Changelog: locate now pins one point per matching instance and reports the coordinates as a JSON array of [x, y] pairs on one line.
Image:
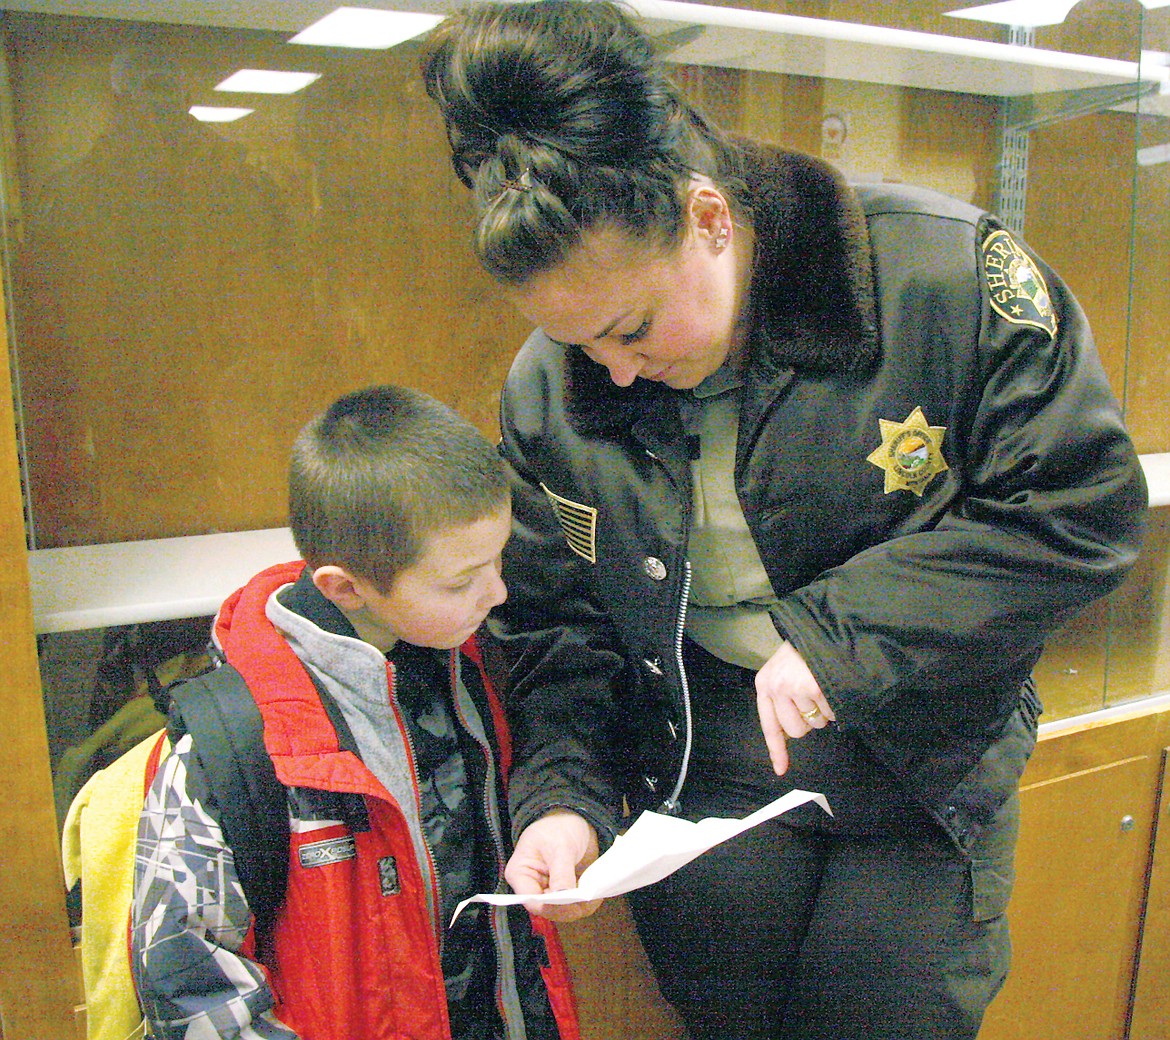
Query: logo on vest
[[388, 875], [1015, 287], [323, 853], [910, 453]]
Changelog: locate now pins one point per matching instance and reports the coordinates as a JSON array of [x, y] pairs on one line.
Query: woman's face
[[640, 312]]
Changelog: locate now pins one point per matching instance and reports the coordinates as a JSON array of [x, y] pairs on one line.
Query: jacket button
[[651, 782], [653, 665], [653, 566]]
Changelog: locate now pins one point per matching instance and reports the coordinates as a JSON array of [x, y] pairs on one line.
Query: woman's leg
[[790, 935], [792, 932], [909, 939], [723, 934]]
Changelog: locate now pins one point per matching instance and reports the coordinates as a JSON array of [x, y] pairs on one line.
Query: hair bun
[[562, 118], [577, 79]]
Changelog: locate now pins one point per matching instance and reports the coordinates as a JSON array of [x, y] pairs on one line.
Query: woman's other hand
[[790, 703]]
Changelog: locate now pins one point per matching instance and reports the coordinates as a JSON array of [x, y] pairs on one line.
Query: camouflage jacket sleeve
[[190, 919]]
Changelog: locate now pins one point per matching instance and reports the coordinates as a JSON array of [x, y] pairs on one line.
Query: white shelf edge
[[122, 583], [1131, 709], [95, 586], [766, 41], [735, 38]]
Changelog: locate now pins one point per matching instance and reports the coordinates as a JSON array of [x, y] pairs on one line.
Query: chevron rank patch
[[910, 453], [578, 522], [1015, 285]]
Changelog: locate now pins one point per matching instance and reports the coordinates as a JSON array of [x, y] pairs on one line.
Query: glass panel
[[102, 691], [1079, 216], [1140, 623], [184, 294], [1147, 385]]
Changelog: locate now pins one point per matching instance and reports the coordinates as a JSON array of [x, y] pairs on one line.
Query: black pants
[[805, 932]]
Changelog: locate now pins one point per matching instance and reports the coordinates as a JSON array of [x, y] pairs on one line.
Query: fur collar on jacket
[[812, 281], [812, 287]]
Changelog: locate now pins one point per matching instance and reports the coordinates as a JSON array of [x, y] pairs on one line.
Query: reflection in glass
[[185, 293]]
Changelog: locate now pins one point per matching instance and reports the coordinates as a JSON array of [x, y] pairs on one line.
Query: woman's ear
[[338, 586], [709, 216]]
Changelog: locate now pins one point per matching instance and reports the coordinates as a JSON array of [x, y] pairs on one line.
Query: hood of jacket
[[273, 672]]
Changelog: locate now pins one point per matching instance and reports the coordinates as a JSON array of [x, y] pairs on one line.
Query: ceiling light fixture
[[366, 29], [220, 114], [267, 81]]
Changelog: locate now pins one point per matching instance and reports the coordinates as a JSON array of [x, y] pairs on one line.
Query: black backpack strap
[[227, 732]]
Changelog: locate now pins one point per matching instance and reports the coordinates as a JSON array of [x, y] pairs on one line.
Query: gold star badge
[[910, 453]]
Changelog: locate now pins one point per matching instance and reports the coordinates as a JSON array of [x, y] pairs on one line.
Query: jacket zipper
[[492, 818], [436, 893], [671, 803]]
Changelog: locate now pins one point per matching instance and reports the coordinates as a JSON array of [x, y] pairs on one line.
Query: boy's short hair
[[378, 472]]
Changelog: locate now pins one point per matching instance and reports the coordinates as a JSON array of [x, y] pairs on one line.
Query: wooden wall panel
[[1138, 622], [1076, 909], [1081, 881], [37, 972], [1080, 219], [617, 996], [1147, 387], [1150, 1019], [1118, 650], [187, 296], [1149, 374]]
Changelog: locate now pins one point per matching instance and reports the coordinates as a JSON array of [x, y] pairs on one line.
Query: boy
[[400, 510]]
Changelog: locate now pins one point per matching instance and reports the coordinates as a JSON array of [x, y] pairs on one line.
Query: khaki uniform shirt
[[730, 593]]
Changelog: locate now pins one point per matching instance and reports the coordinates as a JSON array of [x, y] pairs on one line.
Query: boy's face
[[444, 596]]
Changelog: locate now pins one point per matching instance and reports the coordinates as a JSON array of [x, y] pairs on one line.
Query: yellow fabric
[[101, 828]]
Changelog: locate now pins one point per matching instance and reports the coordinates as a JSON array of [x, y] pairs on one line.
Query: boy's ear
[[338, 586]]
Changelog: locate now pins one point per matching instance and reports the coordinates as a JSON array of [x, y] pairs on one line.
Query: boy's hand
[[549, 856]]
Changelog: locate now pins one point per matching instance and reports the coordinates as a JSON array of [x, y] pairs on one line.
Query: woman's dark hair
[[380, 471], [562, 118]]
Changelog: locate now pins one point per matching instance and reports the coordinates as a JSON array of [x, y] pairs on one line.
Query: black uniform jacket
[[930, 461]]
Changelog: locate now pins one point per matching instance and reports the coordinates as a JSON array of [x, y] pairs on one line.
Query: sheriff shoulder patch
[[910, 453], [1014, 284]]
